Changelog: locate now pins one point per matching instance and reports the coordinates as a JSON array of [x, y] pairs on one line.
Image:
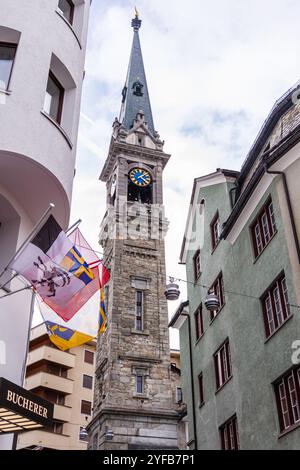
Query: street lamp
[[172, 291], [212, 301]]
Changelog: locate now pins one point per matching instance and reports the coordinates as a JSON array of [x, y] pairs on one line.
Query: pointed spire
[[135, 96]]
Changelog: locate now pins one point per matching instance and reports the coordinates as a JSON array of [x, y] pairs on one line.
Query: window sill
[[200, 337], [5, 92], [215, 247], [258, 256], [6, 289], [70, 27], [279, 328], [290, 429], [61, 130], [142, 396], [211, 321], [223, 385], [138, 332]]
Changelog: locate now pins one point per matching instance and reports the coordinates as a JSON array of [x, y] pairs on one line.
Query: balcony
[[52, 355], [48, 440], [62, 413], [54, 382]]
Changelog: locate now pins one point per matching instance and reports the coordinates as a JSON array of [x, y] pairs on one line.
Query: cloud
[[214, 71]]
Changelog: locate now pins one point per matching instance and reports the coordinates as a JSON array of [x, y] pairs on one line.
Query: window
[[230, 435], [199, 322], [88, 357], [66, 8], [139, 383], [58, 427], [139, 307], [56, 370], [7, 57], [263, 228], [197, 265], [218, 289], [201, 390], [179, 395], [215, 231], [86, 407], [54, 397], [83, 435], [287, 391], [223, 364], [54, 98], [275, 306], [87, 381]]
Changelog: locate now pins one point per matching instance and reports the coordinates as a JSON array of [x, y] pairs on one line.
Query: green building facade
[[241, 364]]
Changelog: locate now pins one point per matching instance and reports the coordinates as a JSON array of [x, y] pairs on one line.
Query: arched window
[[202, 207]]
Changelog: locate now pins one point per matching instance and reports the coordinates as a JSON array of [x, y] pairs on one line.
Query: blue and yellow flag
[[65, 338], [90, 321], [102, 316]]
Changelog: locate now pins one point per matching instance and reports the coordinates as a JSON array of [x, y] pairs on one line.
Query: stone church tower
[[135, 405]]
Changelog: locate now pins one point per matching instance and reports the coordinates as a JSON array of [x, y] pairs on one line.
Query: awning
[[21, 410]]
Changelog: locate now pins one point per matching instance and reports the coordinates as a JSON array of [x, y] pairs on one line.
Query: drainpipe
[[192, 379], [290, 209]]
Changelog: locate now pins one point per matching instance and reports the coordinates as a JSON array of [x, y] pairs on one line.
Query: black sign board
[[22, 409]]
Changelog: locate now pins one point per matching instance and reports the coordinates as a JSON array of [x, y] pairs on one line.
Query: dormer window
[[140, 140]]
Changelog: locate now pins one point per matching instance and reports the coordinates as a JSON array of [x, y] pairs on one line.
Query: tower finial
[[136, 22]]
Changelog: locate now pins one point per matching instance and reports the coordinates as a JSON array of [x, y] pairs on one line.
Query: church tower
[[135, 405]]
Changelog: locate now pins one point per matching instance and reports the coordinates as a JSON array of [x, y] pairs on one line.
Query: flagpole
[[74, 226], [29, 238], [16, 292]]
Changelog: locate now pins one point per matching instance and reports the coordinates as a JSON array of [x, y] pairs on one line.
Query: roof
[[135, 93], [221, 175], [174, 320], [270, 156]]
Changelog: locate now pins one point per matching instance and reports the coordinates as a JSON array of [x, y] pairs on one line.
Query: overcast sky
[[214, 70]]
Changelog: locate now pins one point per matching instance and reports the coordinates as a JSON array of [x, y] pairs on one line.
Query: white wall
[[37, 158]]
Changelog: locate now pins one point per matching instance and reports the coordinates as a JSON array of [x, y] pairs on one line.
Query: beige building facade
[[65, 378]]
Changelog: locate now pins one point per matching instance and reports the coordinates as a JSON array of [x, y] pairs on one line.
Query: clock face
[[140, 177]]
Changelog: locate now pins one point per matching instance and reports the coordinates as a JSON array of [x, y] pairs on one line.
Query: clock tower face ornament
[[140, 177]]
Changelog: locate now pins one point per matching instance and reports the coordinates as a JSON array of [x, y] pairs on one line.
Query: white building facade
[[42, 53]]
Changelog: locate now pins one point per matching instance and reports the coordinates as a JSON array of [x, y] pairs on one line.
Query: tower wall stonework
[[132, 232]]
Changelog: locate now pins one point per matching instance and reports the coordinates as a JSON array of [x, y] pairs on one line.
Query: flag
[[102, 316], [66, 338], [57, 270], [85, 249], [89, 255], [82, 328]]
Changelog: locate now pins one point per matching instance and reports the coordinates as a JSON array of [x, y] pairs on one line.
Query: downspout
[[192, 380], [289, 204]]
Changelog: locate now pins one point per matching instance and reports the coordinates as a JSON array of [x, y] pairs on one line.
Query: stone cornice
[[155, 413], [152, 360], [133, 151]]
